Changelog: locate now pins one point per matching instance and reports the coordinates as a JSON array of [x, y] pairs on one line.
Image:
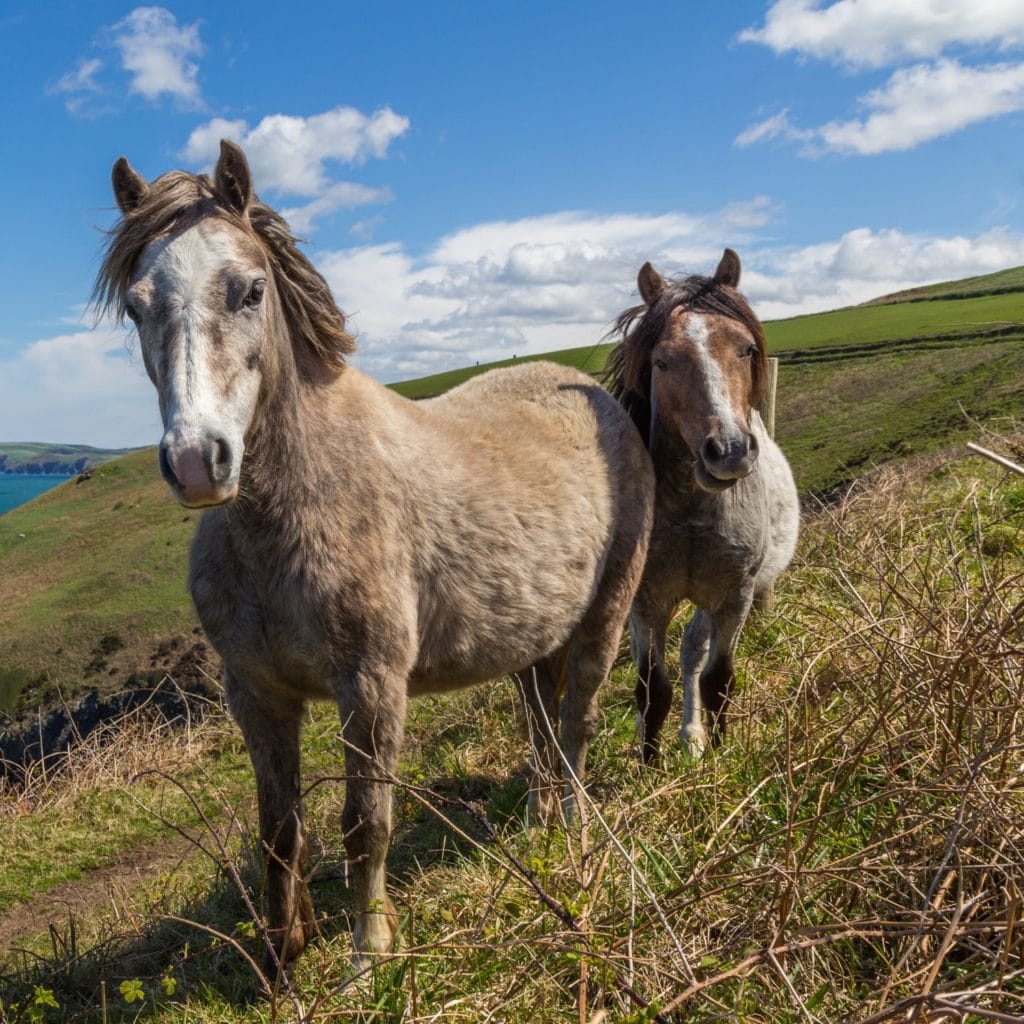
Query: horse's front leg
[[271, 729], [693, 656], [648, 624], [538, 687], [372, 707], [716, 680]]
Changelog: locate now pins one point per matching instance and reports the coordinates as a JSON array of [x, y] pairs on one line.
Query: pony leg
[[647, 627], [272, 740], [373, 723], [539, 688], [592, 651], [717, 678], [692, 658]]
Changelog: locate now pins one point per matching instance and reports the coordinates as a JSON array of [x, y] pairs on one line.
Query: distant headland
[[33, 458]]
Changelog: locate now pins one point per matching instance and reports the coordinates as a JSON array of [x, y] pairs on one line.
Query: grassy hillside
[[853, 852], [61, 459], [1010, 280], [93, 578]]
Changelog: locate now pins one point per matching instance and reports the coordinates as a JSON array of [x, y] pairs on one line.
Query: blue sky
[[482, 180]]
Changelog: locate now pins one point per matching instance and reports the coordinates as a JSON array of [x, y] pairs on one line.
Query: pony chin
[[706, 481], [206, 500]]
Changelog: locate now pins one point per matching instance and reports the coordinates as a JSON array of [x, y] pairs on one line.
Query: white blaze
[[698, 334], [181, 271]]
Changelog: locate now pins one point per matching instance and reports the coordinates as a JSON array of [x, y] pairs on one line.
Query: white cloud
[[84, 387], [344, 195], [517, 287], [79, 85], [157, 52], [916, 104], [779, 126], [864, 264], [288, 153], [873, 33], [82, 79], [926, 102]]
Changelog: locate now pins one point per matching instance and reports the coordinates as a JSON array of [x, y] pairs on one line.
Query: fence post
[[764, 601], [771, 383]]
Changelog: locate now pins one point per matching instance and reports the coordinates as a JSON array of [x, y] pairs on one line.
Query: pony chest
[[263, 616], [697, 537]]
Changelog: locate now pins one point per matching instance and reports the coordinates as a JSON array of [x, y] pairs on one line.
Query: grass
[[965, 317], [84, 561], [1008, 280], [853, 852]]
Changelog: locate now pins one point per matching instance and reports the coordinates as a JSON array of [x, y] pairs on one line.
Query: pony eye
[[131, 312], [660, 364], [750, 352], [254, 296]]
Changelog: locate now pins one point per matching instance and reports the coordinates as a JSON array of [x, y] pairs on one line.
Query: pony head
[[692, 361], [213, 281]]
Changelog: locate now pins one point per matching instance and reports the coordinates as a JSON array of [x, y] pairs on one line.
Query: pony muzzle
[[201, 474], [719, 464]]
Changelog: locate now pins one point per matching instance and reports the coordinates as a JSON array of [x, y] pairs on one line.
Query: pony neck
[[283, 444]]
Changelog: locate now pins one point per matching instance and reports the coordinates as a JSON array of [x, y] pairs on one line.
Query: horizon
[[477, 184]]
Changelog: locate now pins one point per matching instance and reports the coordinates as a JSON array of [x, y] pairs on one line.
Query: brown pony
[[689, 369], [359, 547]]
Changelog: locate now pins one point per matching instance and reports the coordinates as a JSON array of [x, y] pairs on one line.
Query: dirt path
[[101, 893]]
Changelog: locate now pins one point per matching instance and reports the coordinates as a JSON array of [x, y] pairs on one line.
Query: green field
[[106, 557], [102, 557]]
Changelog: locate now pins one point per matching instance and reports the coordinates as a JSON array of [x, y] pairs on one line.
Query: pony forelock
[[178, 200]]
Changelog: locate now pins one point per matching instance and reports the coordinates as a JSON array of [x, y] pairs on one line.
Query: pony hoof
[[274, 981], [542, 810], [695, 741]]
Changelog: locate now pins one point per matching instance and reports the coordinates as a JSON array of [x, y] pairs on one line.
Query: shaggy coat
[[359, 547], [689, 369]]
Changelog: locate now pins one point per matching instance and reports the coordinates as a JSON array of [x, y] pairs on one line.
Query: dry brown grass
[[854, 852]]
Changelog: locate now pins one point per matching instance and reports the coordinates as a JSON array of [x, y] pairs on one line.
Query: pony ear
[[728, 271], [232, 177], [129, 186], [650, 284]]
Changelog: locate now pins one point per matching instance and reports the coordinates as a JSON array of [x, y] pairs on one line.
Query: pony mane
[[178, 200], [627, 373]]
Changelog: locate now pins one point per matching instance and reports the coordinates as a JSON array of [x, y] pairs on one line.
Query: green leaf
[[131, 990]]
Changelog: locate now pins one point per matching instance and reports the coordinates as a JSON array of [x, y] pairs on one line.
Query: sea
[[17, 488]]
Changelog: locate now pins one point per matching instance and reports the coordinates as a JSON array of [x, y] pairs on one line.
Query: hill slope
[[93, 580], [95, 571]]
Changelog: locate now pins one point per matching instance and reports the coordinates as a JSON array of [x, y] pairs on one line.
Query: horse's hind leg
[[540, 686], [272, 739], [372, 707], [647, 627]]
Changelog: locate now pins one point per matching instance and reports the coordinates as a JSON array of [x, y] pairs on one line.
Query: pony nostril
[[220, 460], [752, 444], [712, 450], [166, 470]]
